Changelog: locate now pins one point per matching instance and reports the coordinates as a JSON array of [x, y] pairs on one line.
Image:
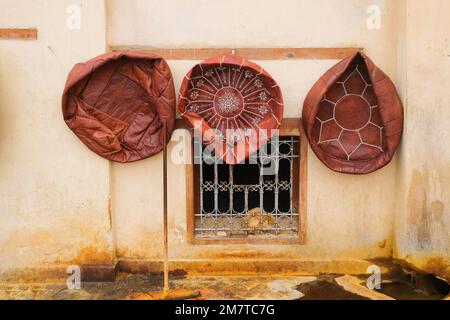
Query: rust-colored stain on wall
[[90, 255], [418, 214], [54, 193]]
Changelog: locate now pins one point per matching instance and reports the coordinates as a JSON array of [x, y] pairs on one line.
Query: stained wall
[[422, 224], [53, 192], [60, 204], [348, 216]]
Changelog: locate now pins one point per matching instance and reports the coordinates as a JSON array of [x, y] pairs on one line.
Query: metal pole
[[166, 232]]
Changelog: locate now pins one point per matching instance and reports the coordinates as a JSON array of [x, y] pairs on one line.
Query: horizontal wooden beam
[[291, 127], [18, 34], [249, 53]]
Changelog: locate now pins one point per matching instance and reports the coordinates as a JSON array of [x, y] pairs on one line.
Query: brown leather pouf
[[353, 117], [115, 104], [229, 99]]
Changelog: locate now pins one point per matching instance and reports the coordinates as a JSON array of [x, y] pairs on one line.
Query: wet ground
[[329, 287], [326, 288]]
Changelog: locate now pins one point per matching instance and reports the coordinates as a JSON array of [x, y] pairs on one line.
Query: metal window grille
[[244, 201]]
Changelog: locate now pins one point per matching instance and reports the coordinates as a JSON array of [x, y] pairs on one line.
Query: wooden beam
[[249, 53], [291, 127], [18, 34], [303, 184]]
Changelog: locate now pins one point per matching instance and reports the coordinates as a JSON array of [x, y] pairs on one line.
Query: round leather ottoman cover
[[353, 117], [115, 104], [233, 104]]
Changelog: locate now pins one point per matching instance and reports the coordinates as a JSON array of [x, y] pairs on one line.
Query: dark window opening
[[249, 200]]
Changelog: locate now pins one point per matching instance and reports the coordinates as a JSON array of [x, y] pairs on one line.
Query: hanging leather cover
[[229, 99], [353, 117], [115, 104]]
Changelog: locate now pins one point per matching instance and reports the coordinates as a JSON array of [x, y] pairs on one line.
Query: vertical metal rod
[[277, 185], [261, 188], [199, 149], [216, 190], [246, 190], [166, 231], [231, 190], [291, 178]]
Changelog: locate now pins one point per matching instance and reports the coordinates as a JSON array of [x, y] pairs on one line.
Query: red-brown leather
[[353, 117], [230, 92], [116, 102]]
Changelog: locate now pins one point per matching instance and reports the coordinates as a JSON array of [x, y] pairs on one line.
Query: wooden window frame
[[289, 127]]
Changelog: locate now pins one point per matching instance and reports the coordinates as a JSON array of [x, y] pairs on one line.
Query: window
[[260, 200]]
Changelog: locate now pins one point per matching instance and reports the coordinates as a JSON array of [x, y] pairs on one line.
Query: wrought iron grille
[[249, 200]]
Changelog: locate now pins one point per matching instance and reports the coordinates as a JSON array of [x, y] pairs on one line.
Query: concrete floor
[[211, 288]]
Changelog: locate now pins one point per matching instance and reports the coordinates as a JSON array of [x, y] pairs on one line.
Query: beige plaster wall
[[53, 191], [61, 204], [348, 216], [422, 219]]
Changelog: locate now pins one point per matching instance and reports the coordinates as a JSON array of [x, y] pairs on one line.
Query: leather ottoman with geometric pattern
[[353, 117]]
